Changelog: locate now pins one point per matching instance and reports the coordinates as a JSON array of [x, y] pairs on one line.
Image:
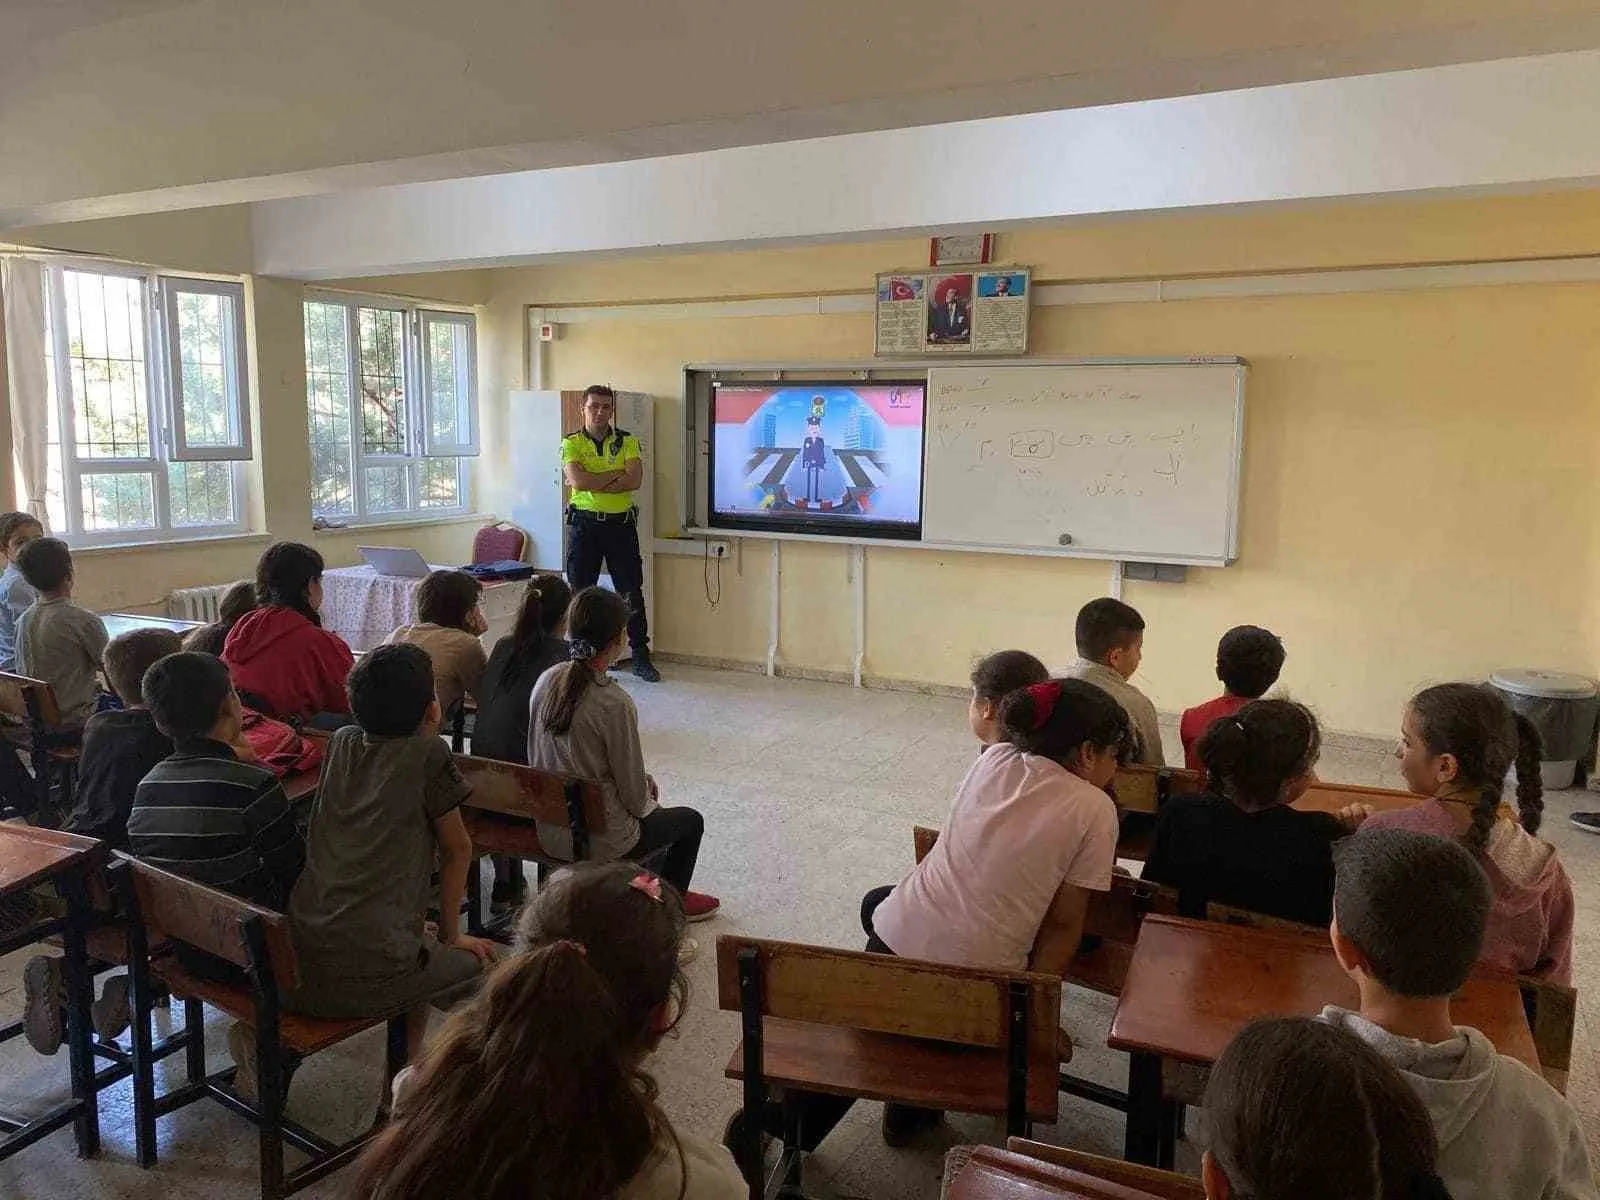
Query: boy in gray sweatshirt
[[1409, 914]]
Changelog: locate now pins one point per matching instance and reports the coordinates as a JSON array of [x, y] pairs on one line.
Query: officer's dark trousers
[[593, 543]]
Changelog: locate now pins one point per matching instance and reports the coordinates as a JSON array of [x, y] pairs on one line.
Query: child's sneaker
[[697, 906], [111, 1013], [43, 994]]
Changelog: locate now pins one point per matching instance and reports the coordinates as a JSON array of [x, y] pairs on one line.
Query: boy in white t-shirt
[[1031, 835]]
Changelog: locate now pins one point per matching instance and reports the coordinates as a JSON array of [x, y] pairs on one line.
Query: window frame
[[416, 319], [158, 417], [242, 449]]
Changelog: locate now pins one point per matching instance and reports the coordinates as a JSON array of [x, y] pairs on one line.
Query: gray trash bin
[[1564, 708]]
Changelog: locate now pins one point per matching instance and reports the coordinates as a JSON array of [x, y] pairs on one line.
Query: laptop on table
[[395, 560]]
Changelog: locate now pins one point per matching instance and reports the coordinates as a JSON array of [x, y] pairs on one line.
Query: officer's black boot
[[644, 668]]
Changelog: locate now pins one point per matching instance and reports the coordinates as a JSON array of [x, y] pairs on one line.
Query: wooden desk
[[990, 1174], [1192, 985], [29, 857], [119, 623]]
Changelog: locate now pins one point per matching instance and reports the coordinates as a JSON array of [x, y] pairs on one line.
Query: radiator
[[196, 604]]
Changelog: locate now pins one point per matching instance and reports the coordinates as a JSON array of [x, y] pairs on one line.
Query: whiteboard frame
[[694, 507]]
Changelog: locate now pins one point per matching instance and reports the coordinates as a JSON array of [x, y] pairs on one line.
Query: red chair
[[496, 543]]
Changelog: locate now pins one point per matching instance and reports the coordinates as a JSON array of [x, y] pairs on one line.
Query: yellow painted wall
[[1419, 493]]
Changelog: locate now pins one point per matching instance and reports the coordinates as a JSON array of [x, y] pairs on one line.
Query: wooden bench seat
[[302, 1035], [1146, 1180], [507, 800], [889, 1067], [166, 909], [492, 833], [878, 1027]]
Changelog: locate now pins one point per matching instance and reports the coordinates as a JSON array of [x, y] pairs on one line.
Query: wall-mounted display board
[[1133, 460], [971, 311]]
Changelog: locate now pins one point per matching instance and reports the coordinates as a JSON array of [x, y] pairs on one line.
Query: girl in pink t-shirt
[[1031, 834], [1457, 742]]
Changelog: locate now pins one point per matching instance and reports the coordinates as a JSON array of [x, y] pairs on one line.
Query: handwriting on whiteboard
[[1031, 445]]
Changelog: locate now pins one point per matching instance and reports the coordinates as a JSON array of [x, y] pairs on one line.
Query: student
[[1410, 912], [1110, 638], [388, 806], [542, 1076], [1457, 741], [121, 745], [534, 645], [1239, 842], [1006, 887], [1297, 1110], [206, 814], [449, 624], [202, 812], [1249, 659], [17, 529], [583, 724], [280, 656], [993, 679], [1031, 834], [56, 640], [239, 599]]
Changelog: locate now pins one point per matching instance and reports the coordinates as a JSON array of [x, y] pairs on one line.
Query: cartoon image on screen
[[812, 457]]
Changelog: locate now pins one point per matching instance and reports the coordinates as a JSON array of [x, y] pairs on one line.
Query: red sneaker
[[697, 906]]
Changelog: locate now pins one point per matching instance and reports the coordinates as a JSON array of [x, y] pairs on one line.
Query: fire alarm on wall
[[547, 332]]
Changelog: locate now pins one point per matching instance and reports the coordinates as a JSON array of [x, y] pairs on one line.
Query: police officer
[[603, 467]]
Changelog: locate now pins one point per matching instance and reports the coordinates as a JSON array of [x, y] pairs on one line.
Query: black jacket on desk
[[1278, 861], [120, 747]]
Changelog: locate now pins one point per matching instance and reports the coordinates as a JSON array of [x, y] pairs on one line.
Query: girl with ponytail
[[537, 1086], [1239, 842], [1031, 834], [534, 645], [1457, 742], [584, 725], [1299, 1110]]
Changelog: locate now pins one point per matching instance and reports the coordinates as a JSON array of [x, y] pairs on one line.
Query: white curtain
[[22, 286]]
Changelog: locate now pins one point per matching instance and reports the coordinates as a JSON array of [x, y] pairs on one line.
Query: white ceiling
[[113, 107]]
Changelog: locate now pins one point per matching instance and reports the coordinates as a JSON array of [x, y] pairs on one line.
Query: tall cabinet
[[539, 420]]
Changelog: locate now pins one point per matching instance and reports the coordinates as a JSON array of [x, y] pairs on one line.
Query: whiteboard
[[1126, 460]]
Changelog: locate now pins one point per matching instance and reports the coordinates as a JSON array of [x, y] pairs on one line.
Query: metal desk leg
[[1142, 1142], [80, 1028]]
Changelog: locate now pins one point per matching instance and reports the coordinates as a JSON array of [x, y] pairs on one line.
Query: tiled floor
[[809, 791]]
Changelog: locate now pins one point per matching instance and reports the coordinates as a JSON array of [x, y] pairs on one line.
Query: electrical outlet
[[717, 549]]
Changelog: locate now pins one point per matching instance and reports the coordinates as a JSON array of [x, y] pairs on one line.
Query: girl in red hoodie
[[280, 654], [1457, 741]]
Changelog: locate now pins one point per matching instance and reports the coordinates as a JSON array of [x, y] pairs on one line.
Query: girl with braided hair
[[1457, 743]]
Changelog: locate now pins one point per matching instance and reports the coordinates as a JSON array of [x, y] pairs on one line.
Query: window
[[392, 396], [149, 412]]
